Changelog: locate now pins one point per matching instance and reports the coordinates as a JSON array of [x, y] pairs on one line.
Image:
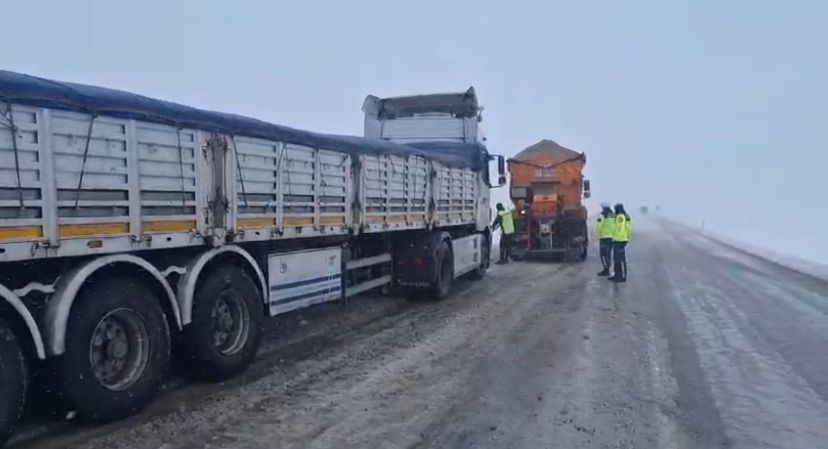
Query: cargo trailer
[[126, 222]]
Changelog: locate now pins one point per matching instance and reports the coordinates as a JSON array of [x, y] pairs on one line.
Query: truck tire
[[225, 332], [13, 382], [445, 272], [585, 247], [485, 258], [117, 348]]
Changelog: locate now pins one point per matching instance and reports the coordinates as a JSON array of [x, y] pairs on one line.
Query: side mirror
[[501, 171], [587, 192]]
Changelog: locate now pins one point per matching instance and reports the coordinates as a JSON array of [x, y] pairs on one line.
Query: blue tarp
[[474, 155], [30, 90]]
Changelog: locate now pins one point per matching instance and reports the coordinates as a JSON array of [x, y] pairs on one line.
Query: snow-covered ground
[[801, 249]]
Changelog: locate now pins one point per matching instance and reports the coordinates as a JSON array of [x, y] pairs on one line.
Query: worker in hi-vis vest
[[620, 237], [506, 223], [605, 230]]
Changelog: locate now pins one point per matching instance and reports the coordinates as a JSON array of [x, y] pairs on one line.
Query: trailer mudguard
[[187, 282], [60, 304], [34, 333]]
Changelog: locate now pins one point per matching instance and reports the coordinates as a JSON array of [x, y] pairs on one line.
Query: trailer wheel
[[227, 317], [117, 348], [13, 382], [445, 272], [585, 246], [584, 252]]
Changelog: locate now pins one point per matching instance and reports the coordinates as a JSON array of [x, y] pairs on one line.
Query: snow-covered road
[[706, 347], [758, 331]]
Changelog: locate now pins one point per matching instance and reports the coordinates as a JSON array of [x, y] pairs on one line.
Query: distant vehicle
[[644, 210], [126, 222], [547, 187]]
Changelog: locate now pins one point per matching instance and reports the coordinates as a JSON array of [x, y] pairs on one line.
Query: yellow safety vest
[[623, 228], [507, 223], [605, 227]]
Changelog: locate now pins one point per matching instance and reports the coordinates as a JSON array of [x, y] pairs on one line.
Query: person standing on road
[[620, 237], [604, 230], [506, 223]]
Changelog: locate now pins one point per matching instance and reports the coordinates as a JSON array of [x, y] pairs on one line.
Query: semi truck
[[546, 187], [127, 223]]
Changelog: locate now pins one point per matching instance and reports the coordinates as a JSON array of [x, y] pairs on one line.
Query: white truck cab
[[448, 117], [437, 122]]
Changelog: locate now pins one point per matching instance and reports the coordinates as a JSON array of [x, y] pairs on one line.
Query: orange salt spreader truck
[[547, 187]]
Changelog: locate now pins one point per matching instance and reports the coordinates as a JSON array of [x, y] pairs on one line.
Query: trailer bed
[[92, 184]]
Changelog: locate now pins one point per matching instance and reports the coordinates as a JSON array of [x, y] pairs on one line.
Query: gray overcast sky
[[713, 109]]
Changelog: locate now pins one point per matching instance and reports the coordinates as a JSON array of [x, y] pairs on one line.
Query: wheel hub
[[119, 349], [230, 322]]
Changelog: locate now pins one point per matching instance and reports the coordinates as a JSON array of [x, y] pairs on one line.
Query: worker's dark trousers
[[619, 254], [505, 247], [605, 250]]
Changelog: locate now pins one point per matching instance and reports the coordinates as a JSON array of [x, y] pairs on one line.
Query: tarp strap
[[13, 130], [238, 168], [92, 117], [282, 151], [181, 171]]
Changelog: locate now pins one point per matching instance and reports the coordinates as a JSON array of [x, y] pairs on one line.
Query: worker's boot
[[620, 274], [603, 272]]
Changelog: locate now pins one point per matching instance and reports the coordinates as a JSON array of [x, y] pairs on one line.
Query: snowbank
[[795, 263], [782, 233]]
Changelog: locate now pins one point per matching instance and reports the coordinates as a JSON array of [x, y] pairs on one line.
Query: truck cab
[[448, 123]]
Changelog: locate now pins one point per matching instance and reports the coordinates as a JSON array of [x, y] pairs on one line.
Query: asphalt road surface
[[705, 347]]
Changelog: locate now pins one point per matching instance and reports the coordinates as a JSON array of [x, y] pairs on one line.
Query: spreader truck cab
[[547, 188]]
